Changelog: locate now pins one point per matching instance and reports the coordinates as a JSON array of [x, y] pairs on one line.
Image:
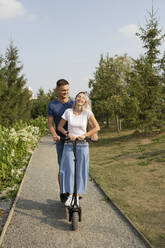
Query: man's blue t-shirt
[[56, 109]]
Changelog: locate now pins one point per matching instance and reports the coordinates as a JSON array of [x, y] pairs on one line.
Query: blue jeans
[[59, 149], [67, 169]]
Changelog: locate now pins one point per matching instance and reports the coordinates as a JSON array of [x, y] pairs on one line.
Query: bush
[[16, 146], [40, 122]]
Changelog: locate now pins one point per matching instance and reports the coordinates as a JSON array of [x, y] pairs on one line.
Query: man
[[56, 109]]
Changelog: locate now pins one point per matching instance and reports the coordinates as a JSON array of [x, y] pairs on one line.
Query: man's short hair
[[61, 82]]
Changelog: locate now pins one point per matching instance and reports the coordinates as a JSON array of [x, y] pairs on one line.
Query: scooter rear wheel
[[75, 219]]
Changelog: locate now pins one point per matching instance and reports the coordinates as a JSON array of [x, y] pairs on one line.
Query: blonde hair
[[87, 105]]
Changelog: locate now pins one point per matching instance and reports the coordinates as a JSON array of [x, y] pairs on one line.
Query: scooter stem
[[75, 169]]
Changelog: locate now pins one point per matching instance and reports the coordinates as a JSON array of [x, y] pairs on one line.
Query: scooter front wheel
[[75, 219]]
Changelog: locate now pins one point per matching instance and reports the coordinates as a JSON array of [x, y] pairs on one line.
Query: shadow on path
[[53, 213]]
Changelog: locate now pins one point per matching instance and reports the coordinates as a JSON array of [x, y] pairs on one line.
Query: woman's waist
[[78, 143]]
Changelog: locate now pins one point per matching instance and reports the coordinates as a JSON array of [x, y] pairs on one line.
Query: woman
[[78, 118]]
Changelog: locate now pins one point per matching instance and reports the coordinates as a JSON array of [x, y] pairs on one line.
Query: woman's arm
[[94, 136], [94, 127], [61, 126], [62, 130]]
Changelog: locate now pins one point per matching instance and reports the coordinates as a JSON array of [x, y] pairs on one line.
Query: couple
[[71, 119]]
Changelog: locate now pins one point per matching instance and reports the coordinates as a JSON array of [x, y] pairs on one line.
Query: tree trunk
[[107, 121], [117, 123], [120, 124]]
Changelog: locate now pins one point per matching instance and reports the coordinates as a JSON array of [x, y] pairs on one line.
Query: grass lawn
[[131, 170]]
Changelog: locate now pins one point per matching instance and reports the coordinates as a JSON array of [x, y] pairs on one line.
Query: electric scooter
[[75, 211]]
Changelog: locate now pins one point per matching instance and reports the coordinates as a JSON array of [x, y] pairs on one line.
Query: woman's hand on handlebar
[[82, 137], [72, 138]]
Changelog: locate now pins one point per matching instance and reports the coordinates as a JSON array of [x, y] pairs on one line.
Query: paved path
[[40, 221]]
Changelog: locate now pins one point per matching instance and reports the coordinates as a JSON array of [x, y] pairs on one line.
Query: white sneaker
[[78, 203], [68, 202]]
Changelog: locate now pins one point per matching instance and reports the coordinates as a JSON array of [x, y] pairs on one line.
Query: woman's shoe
[[78, 203], [69, 201]]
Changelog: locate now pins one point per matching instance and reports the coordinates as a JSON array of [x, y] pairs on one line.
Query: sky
[[65, 38]]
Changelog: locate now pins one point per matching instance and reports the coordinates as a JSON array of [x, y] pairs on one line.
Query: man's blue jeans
[[59, 149]]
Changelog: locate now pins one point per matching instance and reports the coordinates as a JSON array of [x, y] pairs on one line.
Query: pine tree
[[16, 96], [145, 81], [152, 39], [2, 87]]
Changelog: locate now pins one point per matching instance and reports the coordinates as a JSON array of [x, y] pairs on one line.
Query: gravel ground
[[5, 206], [40, 219]]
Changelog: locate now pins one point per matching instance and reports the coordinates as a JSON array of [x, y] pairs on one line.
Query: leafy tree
[[15, 98], [109, 92], [52, 94], [40, 104]]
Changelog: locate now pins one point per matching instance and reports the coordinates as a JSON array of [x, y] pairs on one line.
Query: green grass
[[131, 170]]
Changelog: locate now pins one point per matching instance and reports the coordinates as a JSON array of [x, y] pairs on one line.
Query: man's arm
[[51, 128]]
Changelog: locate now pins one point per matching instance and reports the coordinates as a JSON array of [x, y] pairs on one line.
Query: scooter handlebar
[[68, 139]]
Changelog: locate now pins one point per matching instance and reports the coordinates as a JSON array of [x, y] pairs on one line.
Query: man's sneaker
[[63, 197], [69, 201]]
